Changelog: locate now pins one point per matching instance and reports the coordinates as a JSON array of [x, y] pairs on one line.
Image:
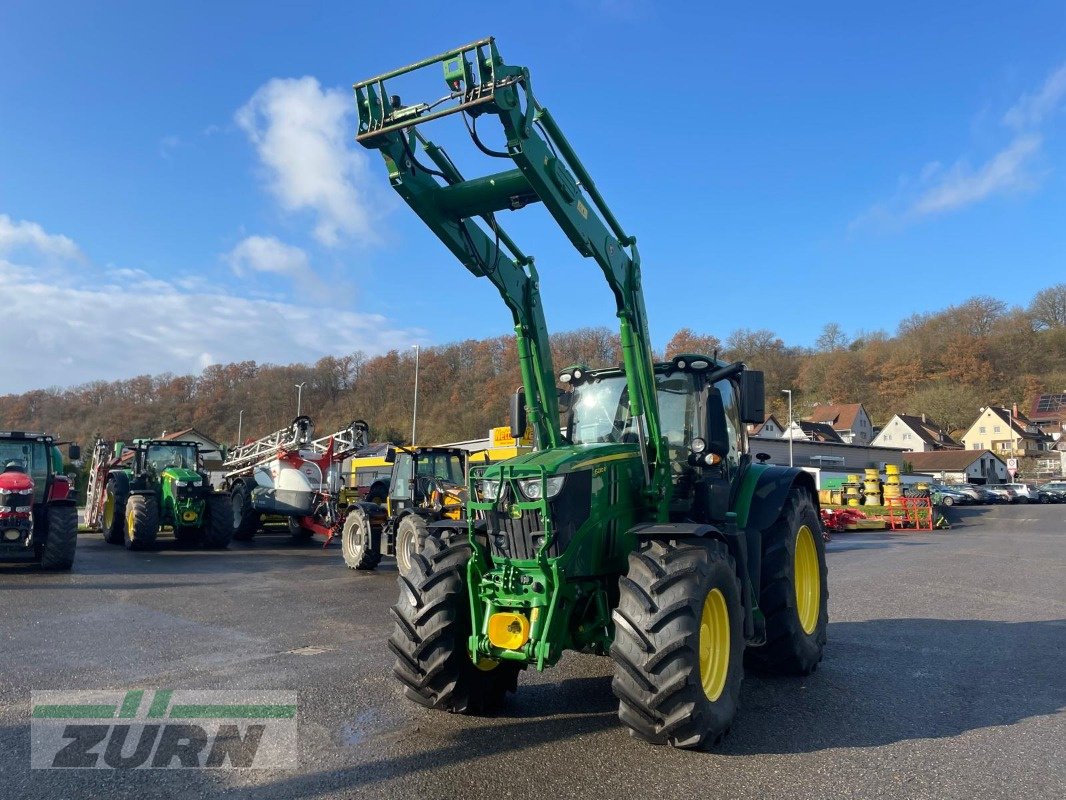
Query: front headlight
[[531, 487], [489, 490], [180, 484]]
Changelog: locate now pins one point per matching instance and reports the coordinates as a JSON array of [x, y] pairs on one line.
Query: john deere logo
[[189, 516], [164, 729], [515, 512]]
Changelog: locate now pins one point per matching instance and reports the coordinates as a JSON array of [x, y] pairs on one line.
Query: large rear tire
[[142, 522], [62, 541], [245, 519], [358, 545], [794, 593], [410, 536], [431, 634], [679, 643], [113, 519], [218, 522]]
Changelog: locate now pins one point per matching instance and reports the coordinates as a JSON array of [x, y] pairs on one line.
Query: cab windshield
[[159, 456], [600, 410], [31, 458]]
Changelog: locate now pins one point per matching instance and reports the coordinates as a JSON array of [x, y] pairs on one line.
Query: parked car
[[1025, 493], [948, 495], [1003, 492], [985, 497], [1053, 492]]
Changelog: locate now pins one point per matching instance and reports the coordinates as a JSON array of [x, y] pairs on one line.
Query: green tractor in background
[[156, 483], [641, 528]]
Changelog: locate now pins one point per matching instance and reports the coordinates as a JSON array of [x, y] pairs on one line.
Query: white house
[[960, 466], [769, 429], [916, 433]]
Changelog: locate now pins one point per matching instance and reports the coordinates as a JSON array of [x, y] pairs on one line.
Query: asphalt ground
[[944, 677]]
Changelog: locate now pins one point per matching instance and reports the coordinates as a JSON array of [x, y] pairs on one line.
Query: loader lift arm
[[462, 213]]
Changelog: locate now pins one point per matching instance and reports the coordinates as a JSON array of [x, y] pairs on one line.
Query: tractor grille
[[193, 492], [520, 538]]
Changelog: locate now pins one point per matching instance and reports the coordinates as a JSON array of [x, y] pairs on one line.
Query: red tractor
[[38, 517]]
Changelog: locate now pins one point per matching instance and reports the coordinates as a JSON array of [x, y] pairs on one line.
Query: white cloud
[[302, 134], [963, 186], [1011, 169], [267, 254], [154, 326], [30, 237], [1032, 109]]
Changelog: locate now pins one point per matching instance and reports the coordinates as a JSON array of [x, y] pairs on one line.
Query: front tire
[[113, 519], [142, 522], [679, 642], [948, 501], [358, 541], [794, 591], [431, 634], [410, 536], [62, 541], [245, 519], [217, 530]]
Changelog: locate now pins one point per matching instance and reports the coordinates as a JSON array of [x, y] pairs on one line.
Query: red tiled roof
[[841, 416]]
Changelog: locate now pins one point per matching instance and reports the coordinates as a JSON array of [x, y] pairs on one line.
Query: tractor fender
[[763, 493], [760, 500], [732, 539]]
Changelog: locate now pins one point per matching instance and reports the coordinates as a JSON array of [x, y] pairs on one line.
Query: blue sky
[[179, 185]]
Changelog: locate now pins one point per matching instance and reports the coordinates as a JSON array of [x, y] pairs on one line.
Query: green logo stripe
[[160, 703], [84, 711], [232, 712], [131, 704]]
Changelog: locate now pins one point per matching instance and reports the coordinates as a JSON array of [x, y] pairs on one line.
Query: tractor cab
[[427, 476], [36, 503]]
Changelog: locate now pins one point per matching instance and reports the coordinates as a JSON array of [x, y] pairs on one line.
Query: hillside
[[945, 364]]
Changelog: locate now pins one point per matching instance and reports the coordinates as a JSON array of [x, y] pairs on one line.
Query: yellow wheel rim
[[131, 523], [714, 644], [808, 580]]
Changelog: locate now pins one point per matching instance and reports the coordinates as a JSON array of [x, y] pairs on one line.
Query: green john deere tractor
[[158, 482], [640, 528]]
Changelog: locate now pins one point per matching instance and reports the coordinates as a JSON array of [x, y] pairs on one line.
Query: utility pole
[[299, 395], [790, 432], [240, 424], [414, 413]]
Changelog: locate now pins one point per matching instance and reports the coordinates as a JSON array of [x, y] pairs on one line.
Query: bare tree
[[832, 338], [1048, 309]]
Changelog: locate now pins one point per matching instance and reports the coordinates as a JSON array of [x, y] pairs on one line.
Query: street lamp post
[[240, 424], [414, 413], [299, 395], [790, 432]]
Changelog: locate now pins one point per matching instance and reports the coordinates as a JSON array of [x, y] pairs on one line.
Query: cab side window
[[732, 422]]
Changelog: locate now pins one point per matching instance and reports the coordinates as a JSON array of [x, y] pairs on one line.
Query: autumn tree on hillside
[[686, 341]]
